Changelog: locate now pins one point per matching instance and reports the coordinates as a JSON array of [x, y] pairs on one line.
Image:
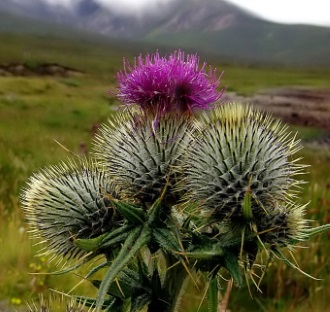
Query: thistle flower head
[[241, 167], [283, 225], [57, 303], [140, 161], [164, 84], [66, 202]]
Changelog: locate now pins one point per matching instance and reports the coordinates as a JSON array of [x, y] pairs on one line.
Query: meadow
[[46, 119]]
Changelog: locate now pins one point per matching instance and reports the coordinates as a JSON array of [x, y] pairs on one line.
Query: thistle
[[159, 85], [140, 161], [56, 303], [68, 202], [240, 184], [239, 154], [283, 226], [170, 194]]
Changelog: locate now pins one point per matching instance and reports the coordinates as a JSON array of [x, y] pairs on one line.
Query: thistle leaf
[[205, 252], [166, 239], [162, 266], [90, 244], [316, 231], [116, 289], [232, 266], [139, 302], [116, 236], [130, 278], [130, 212], [154, 212], [96, 269], [138, 238], [212, 296]]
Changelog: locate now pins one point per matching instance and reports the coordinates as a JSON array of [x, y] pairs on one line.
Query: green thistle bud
[[283, 226], [240, 167], [141, 157], [66, 202], [57, 303]]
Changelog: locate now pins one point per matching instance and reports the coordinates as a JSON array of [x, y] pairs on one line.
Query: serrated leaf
[[232, 266], [162, 267], [117, 289], [139, 302], [89, 244], [130, 277], [138, 238], [205, 252], [114, 241], [116, 305], [166, 239], [116, 236], [154, 212], [131, 212], [212, 296], [147, 261], [96, 269]]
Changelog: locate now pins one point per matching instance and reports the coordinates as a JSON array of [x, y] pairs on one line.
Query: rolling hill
[[210, 26]]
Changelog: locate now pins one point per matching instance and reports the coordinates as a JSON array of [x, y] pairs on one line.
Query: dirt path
[[299, 106]]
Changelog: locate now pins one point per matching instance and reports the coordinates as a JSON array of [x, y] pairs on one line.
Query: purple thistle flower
[[161, 85]]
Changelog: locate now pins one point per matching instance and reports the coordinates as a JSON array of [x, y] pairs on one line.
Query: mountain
[[175, 16], [212, 26], [37, 9]]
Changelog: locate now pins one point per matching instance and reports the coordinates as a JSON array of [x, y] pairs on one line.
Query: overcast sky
[[315, 12]]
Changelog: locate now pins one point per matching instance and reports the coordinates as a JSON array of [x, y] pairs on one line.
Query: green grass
[[39, 116], [247, 79]]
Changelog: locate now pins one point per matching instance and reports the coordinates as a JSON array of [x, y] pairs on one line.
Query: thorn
[[121, 291]]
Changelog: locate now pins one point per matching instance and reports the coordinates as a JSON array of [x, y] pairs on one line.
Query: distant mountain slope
[[11, 23], [212, 26], [177, 15], [257, 41]]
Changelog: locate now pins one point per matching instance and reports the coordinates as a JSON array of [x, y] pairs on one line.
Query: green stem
[[180, 282], [169, 298]]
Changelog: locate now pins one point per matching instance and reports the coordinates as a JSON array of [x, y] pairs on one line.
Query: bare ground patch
[[36, 69], [299, 106], [295, 105]]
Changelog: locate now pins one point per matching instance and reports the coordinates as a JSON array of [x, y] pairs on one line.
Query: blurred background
[[58, 59]]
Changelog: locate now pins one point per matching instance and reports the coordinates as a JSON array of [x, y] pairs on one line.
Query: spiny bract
[[58, 303], [283, 226], [140, 158], [66, 202], [240, 167]]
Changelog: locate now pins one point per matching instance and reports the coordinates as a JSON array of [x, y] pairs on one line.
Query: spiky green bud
[[284, 225], [240, 167], [58, 303], [68, 202], [141, 156]]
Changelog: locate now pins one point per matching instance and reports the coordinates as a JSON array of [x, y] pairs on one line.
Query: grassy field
[[39, 116]]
